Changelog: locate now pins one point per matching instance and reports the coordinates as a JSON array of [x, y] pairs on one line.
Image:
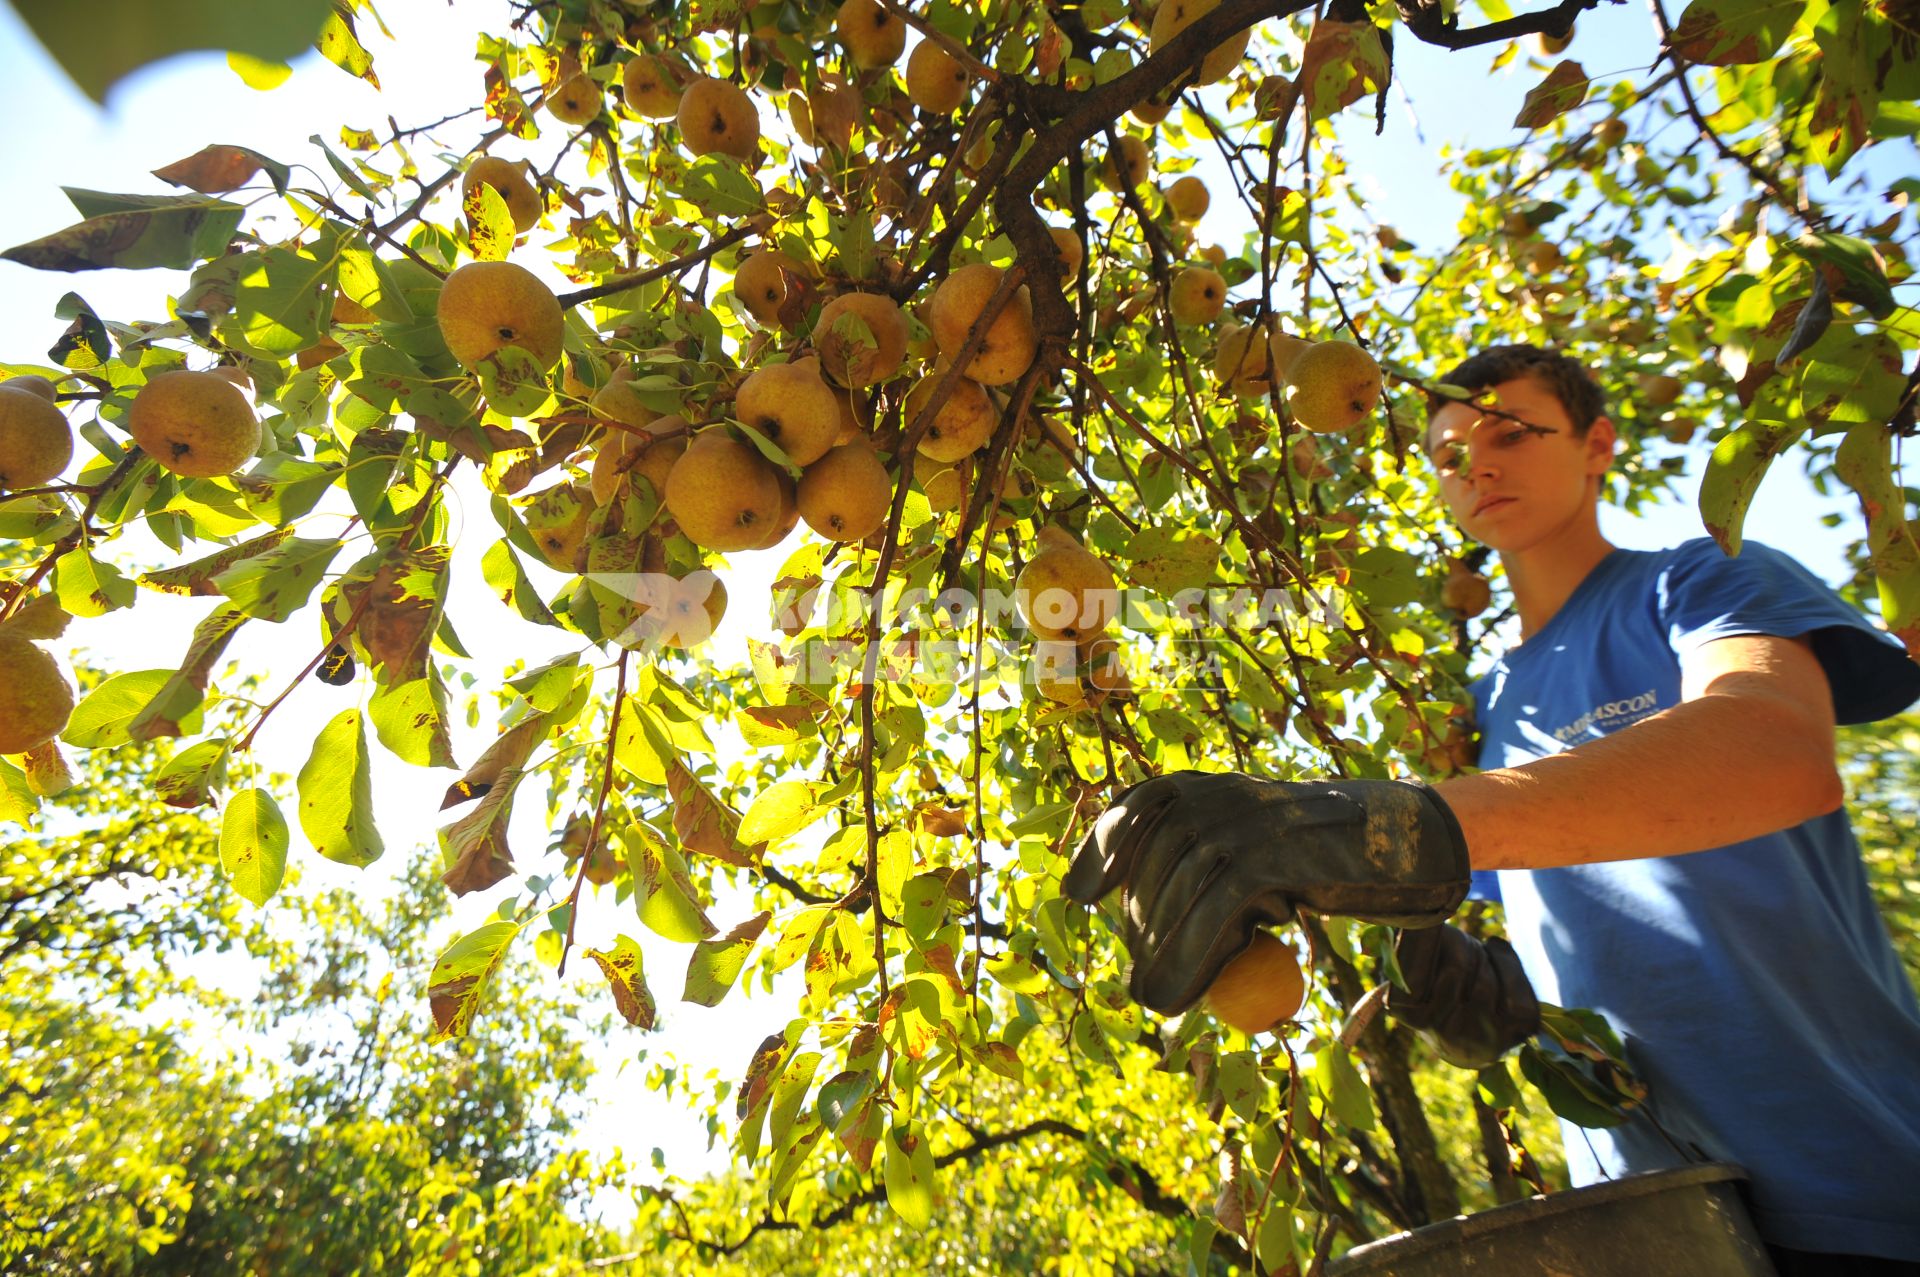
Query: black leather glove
[[1206, 857], [1470, 998]]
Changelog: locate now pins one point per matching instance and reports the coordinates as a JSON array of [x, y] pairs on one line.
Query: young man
[[1662, 802]]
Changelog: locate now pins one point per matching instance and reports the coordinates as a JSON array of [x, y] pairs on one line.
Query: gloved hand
[[1469, 997], [1206, 857]]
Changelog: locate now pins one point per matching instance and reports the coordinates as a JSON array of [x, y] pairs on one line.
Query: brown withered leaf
[[182, 693], [1342, 63], [703, 823], [1564, 88], [397, 628], [47, 772], [214, 170], [474, 848], [625, 977], [508, 753]]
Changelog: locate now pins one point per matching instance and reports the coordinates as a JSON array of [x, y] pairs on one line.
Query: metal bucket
[[1688, 1222]]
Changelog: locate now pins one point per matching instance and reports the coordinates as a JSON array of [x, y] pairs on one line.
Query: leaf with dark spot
[[1564, 88], [461, 974], [508, 753], [474, 848], [622, 967]]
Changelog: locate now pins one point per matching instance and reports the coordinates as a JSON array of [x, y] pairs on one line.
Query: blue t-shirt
[[1754, 984]]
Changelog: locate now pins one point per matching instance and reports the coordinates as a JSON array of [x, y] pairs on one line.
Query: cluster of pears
[[1329, 386], [1067, 596]]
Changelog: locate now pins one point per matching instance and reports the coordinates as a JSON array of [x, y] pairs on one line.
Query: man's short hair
[[1564, 376]]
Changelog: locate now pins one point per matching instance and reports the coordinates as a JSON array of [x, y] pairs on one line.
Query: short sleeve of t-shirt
[[1702, 595]]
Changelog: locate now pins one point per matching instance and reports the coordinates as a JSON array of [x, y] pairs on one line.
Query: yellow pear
[[1260, 989], [1188, 198], [826, 115], [936, 82], [946, 488], [854, 358], [845, 495], [557, 521], [1198, 295], [511, 183], [1465, 592], [614, 456], [760, 284], [1125, 165], [1610, 132], [650, 88], [1010, 343], [618, 401], [35, 698], [1286, 348], [850, 405], [1072, 253], [1055, 672], [195, 424], [1065, 591], [656, 459], [1333, 386], [1149, 111], [723, 493], [35, 441], [792, 405], [873, 37], [1554, 45], [1105, 667], [1214, 254], [1240, 363], [715, 116], [786, 515], [1175, 16], [485, 307], [575, 100], [963, 424], [1660, 390], [33, 384]]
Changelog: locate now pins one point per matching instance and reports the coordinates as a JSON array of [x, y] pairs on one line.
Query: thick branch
[[1429, 23]]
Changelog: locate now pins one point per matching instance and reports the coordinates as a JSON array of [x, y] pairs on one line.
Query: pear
[[946, 488], [873, 37], [1010, 343], [857, 359], [1552, 46], [850, 406], [1175, 16], [33, 384], [650, 88], [575, 100], [1105, 667], [1126, 165], [35, 698], [1465, 592], [1610, 132], [1541, 255], [715, 116], [792, 405], [485, 307], [1286, 348], [1188, 198], [1333, 386], [611, 460], [656, 459], [786, 515], [618, 401], [1214, 255], [1240, 362], [1072, 253], [1149, 111], [195, 424], [1065, 591], [35, 441], [1056, 672], [845, 495], [557, 520], [723, 493], [936, 82], [511, 183], [827, 115], [760, 284], [1660, 390], [1198, 295], [963, 424]]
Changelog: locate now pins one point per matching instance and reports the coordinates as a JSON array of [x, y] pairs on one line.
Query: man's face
[[1515, 480]]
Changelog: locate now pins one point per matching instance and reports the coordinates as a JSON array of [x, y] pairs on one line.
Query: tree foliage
[[885, 794]]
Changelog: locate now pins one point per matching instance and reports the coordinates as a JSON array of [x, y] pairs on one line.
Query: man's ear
[[1601, 440]]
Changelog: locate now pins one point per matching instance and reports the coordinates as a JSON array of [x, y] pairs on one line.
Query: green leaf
[[1734, 32], [411, 721], [336, 793], [716, 963], [88, 587], [281, 300], [18, 803], [100, 42], [623, 969], [189, 777], [1864, 463], [253, 844], [461, 974], [489, 225], [197, 577], [1345, 1089], [340, 44], [640, 745], [102, 719], [719, 185], [789, 1093], [1739, 461], [277, 582], [1860, 274], [171, 238], [908, 1176], [663, 892], [187, 688], [1168, 560], [513, 382]]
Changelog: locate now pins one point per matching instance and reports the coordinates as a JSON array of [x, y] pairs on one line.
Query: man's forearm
[[1703, 774]]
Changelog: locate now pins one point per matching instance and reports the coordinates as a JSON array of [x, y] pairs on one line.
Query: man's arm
[[1749, 750]]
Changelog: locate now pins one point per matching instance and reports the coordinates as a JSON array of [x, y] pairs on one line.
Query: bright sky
[[166, 113]]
